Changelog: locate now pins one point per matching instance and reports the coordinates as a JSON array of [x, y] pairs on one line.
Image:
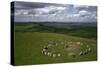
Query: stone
[[59, 54], [81, 53], [54, 55], [44, 50], [56, 44], [89, 49], [45, 53], [49, 54]]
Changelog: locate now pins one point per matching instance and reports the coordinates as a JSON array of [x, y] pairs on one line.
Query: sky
[[51, 12]]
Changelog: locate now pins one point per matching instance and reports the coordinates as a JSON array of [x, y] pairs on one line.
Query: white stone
[[54, 55], [44, 50], [89, 49], [49, 54], [45, 53], [59, 54], [81, 53], [56, 44], [41, 51]]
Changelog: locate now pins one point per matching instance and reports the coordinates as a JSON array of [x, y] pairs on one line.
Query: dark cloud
[[92, 8], [30, 5]]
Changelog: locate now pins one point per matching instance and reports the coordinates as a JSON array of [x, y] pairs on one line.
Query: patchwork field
[[37, 43]]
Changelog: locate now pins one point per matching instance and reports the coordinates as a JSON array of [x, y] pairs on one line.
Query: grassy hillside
[[79, 30], [31, 38]]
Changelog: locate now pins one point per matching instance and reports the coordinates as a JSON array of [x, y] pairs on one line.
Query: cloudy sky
[[40, 12]]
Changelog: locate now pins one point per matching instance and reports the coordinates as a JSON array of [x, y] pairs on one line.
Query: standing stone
[[45, 53], [81, 53], [59, 54], [56, 44], [89, 49], [54, 55], [44, 50], [48, 53]]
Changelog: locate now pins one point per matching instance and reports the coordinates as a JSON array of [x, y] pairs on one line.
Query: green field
[[31, 38]]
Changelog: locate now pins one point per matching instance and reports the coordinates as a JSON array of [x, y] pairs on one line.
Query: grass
[[79, 30], [30, 40]]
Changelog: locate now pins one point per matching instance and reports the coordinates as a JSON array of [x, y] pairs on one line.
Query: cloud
[[84, 12], [21, 12], [48, 10], [84, 7], [54, 12]]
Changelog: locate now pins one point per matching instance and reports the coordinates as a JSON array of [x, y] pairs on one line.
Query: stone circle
[[68, 47]]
